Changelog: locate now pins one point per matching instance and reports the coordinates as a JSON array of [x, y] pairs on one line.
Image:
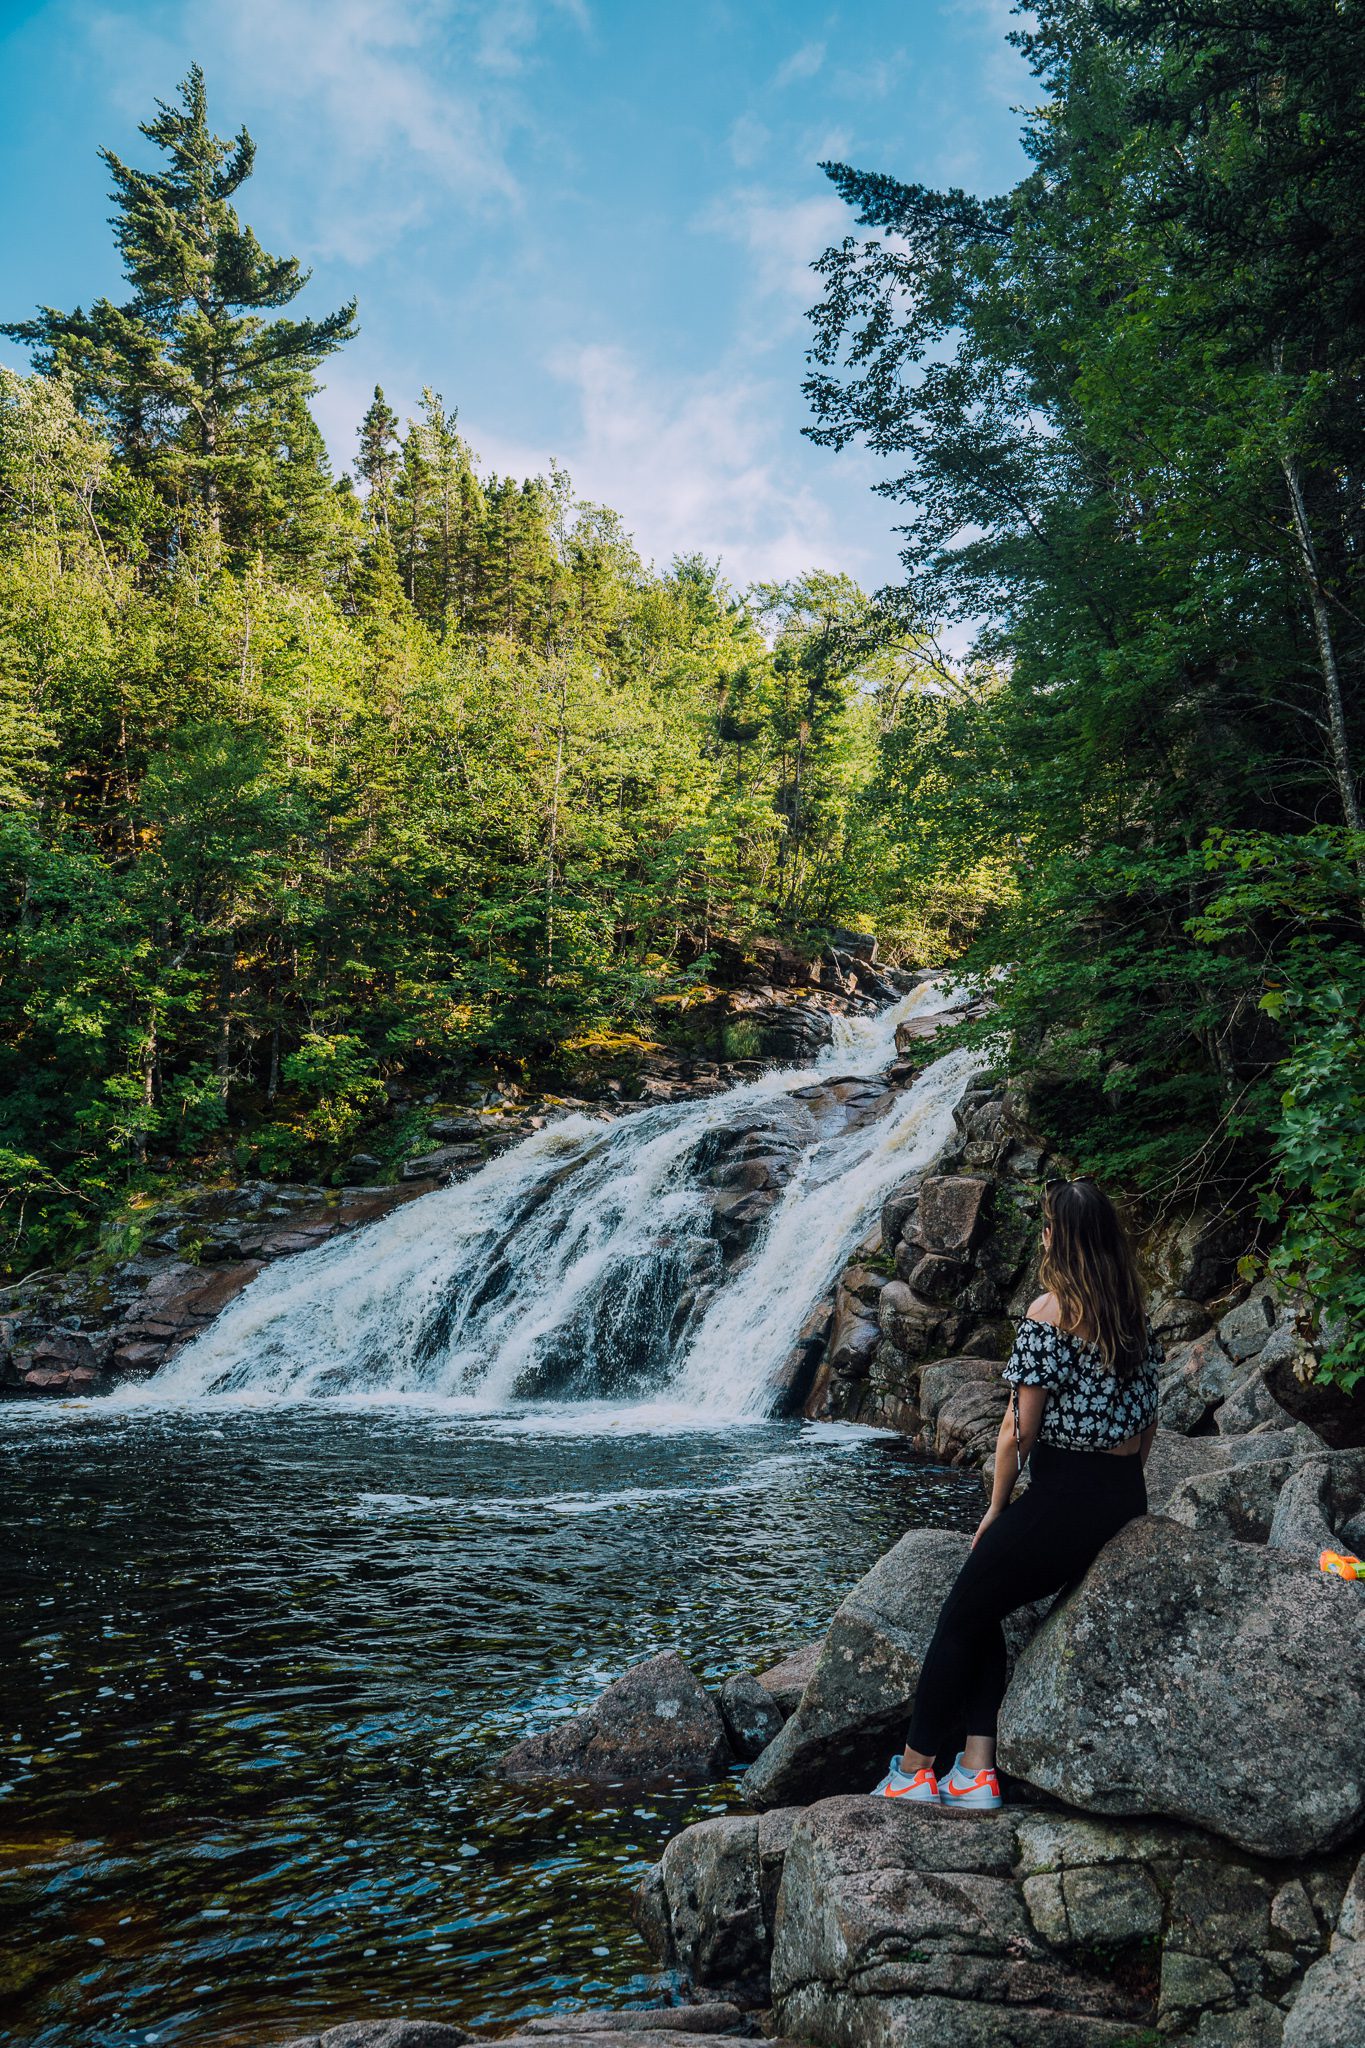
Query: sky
[[587, 223]]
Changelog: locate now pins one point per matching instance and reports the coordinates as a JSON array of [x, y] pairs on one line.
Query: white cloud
[[705, 463], [382, 113], [783, 237], [748, 141], [803, 63]]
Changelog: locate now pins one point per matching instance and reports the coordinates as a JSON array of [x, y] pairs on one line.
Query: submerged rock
[[657, 1721], [1203, 1679]]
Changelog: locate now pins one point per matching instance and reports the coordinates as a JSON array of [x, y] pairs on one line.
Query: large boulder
[[855, 1706], [1329, 2011], [1198, 1678], [1319, 1501], [906, 1927], [707, 1907], [1176, 1458], [856, 1703], [658, 1721]]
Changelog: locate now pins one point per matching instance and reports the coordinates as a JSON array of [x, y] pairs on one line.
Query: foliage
[[304, 784], [1122, 408]]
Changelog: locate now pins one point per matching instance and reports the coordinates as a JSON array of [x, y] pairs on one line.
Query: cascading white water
[[581, 1266]]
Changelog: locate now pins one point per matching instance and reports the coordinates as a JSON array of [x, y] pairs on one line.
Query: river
[[276, 1612], [262, 1662]]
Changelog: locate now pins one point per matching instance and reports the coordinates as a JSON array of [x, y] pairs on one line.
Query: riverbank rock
[[856, 1702], [786, 1681], [657, 1721], [1202, 1679], [751, 1715], [387, 2034], [707, 1907], [901, 1925]]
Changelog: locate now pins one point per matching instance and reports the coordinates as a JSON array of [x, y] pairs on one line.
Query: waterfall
[[583, 1266]]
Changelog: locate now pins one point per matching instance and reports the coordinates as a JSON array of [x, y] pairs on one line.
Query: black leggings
[[1047, 1539]]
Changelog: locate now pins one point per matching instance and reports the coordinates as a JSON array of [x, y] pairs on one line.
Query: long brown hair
[[1088, 1264]]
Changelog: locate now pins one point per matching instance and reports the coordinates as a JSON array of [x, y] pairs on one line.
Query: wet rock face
[[1202, 1679], [960, 1241], [657, 1721], [82, 1331]]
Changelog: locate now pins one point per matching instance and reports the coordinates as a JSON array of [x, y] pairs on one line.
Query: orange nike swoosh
[[892, 1794], [960, 1792]]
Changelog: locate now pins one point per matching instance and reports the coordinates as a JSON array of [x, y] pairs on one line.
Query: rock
[[445, 1159], [1235, 1500], [855, 1706], [1251, 1405], [950, 1213], [899, 1925], [1201, 1679], [1176, 1458], [360, 1168], [387, 2034], [968, 1423], [707, 1907], [1329, 2011], [1290, 1368], [939, 1381], [1244, 1329], [716, 2018], [751, 1715], [1197, 1376], [786, 1682], [1317, 1502], [853, 1340], [656, 1721], [899, 1208], [1175, 1318]]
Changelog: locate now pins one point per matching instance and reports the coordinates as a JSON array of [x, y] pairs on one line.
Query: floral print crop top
[[1089, 1408]]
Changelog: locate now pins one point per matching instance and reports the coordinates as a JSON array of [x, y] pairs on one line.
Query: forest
[[309, 779]]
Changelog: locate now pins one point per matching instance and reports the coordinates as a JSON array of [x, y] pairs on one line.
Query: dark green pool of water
[[258, 1664]]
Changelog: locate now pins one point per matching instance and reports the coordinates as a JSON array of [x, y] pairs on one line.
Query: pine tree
[[190, 377], [377, 462]]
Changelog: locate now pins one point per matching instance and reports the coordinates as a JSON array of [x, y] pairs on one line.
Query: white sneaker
[[919, 1787], [970, 1791]]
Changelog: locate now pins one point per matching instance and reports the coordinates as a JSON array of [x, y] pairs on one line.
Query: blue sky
[[586, 222]]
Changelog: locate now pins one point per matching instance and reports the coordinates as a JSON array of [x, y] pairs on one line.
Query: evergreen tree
[[190, 376], [377, 462]]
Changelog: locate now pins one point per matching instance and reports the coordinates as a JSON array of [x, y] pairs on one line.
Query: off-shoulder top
[[1089, 1408]]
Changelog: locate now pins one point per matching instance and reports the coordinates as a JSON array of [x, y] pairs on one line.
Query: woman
[[1082, 1416]]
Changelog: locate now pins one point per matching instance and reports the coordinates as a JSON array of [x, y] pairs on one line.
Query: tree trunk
[[1327, 655], [226, 977]]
